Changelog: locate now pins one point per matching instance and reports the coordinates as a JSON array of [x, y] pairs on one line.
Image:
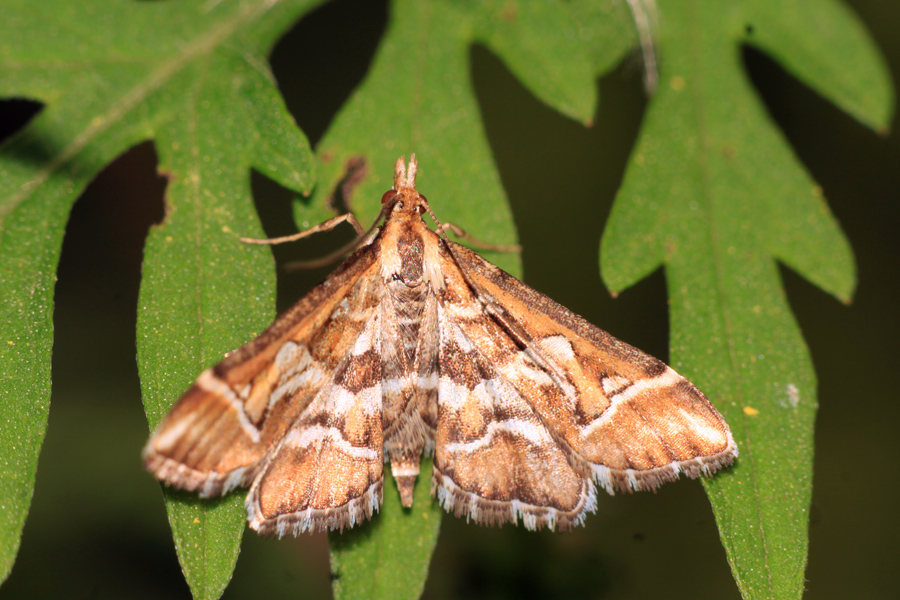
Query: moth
[[418, 345]]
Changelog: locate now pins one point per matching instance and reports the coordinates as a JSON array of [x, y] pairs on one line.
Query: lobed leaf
[[191, 76], [387, 558], [712, 193], [715, 195], [418, 98]]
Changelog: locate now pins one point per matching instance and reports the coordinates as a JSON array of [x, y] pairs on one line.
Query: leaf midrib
[[699, 114], [156, 79]]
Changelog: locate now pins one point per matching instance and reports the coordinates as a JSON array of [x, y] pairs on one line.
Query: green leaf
[[825, 45], [606, 30], [193, 77], [418, 98], [388, 557], [714, 193]]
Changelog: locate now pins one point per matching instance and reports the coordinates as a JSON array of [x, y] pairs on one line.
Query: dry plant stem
[[644, 13]]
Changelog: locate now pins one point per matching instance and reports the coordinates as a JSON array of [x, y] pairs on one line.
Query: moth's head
[[404, 197]]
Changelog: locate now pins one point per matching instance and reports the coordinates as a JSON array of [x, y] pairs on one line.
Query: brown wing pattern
[[494, 460], [413, 345], [214, 438], [408, 347], [326, 471], [631, 418]]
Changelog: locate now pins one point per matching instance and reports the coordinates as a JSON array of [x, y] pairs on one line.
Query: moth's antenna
[[402, 178], [410, 182], [441, 228], [359, 242], [363, 237]]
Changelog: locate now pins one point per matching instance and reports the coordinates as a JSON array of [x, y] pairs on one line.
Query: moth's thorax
[[410, 249]]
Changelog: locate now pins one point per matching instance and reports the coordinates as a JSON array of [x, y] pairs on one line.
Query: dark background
[[97, 527]]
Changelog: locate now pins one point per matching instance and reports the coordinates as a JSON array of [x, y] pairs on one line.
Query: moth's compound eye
[[421, 207], [388, 196]]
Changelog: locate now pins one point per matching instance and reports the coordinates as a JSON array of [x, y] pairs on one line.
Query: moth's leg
[[326, 226], [461, 233]]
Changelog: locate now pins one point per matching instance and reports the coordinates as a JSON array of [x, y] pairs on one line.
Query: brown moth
[[416, 344]]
